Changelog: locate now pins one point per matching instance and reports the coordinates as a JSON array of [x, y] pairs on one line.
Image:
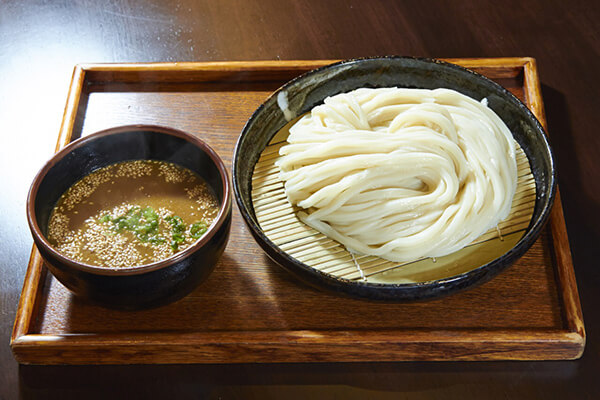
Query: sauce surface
[[132, 213]]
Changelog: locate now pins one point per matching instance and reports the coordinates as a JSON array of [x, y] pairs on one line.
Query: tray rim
[[521, 344]]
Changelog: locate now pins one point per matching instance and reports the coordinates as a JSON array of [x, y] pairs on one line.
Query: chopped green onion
[[198, 229], [141, 222], [144, 224], [178, 232]]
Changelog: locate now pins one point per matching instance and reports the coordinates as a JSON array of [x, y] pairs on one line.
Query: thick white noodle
[[400, 173]]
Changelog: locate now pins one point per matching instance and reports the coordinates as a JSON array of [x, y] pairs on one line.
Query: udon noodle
[[400, 173]]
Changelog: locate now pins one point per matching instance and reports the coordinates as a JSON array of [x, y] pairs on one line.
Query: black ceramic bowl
[[310, 89], [143, 286]]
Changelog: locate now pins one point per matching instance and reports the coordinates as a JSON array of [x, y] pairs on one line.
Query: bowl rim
[[400, 291], [41, 240]]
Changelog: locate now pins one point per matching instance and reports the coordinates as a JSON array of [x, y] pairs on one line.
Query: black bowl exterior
[[305, 92], [137, 286]]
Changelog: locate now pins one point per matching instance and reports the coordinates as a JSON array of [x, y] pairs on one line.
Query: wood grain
[[562, 251], [250, 310], [43, 40]]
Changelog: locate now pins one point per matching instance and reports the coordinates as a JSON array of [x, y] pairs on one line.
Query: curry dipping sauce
[[132, 213]]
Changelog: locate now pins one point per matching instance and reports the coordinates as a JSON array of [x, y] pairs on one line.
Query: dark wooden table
[[41, 41]]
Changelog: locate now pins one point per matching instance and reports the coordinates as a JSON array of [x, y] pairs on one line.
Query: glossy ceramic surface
[[143, 286], [303, 93]]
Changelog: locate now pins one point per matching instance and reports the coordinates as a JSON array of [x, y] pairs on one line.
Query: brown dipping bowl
[[148, 285]]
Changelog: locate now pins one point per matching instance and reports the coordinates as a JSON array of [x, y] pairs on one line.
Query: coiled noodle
[[400, 173]]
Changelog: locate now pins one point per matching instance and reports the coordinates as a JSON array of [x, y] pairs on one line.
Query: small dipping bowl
[[143, 286]]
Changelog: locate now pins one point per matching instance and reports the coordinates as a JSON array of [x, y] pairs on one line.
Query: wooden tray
[[251, 310]]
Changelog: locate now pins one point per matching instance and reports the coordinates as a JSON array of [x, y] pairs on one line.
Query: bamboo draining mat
[[277, 218]]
